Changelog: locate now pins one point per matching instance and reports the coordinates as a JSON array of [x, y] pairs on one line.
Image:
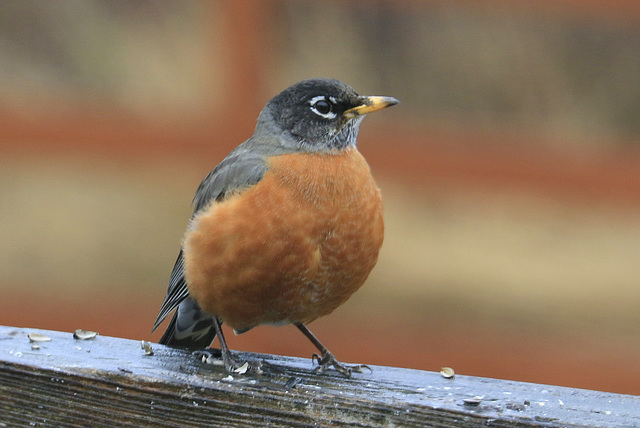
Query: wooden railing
[[106, 381]]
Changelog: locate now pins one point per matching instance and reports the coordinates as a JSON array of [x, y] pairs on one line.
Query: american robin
[[285, 229]]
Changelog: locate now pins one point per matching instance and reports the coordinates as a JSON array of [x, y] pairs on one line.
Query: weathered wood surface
[[110, 382]]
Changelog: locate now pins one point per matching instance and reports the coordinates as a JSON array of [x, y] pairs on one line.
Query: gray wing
[[190, 326], [242, 168]]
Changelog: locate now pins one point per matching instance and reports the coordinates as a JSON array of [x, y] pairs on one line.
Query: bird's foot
[[327, 360], [231, 364]]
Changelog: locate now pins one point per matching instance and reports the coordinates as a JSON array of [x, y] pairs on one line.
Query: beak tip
[[393, 101]]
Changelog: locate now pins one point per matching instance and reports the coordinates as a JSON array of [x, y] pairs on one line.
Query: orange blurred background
[[510, 172]]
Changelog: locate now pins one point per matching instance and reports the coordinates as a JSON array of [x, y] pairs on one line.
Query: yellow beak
[[370, 104]]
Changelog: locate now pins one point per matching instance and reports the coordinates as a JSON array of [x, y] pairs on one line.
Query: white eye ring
[[315, 100]]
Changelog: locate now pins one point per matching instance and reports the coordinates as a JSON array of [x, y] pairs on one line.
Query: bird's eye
[[323, 107]]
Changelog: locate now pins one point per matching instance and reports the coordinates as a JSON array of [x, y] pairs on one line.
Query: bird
[[285, 229]]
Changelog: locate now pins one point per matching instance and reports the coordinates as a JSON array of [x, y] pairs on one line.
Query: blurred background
[[510, 172]]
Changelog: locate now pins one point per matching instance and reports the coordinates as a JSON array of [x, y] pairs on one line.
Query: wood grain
[[111, 382]]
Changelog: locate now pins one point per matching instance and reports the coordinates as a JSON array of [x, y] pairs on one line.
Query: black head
[[321, 114]]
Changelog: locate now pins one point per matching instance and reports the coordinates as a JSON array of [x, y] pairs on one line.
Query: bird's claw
[[231, 364], [327, 360]]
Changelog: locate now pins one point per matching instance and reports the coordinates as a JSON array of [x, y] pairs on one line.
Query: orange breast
[[291, 248]]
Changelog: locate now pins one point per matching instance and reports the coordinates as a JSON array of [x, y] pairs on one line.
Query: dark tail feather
[[189, 327]]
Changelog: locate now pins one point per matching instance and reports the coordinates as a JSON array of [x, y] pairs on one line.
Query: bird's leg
[[231, 364], [326, 358]]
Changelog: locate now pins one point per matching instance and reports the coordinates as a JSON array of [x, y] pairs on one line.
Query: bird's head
[[320, 115]]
